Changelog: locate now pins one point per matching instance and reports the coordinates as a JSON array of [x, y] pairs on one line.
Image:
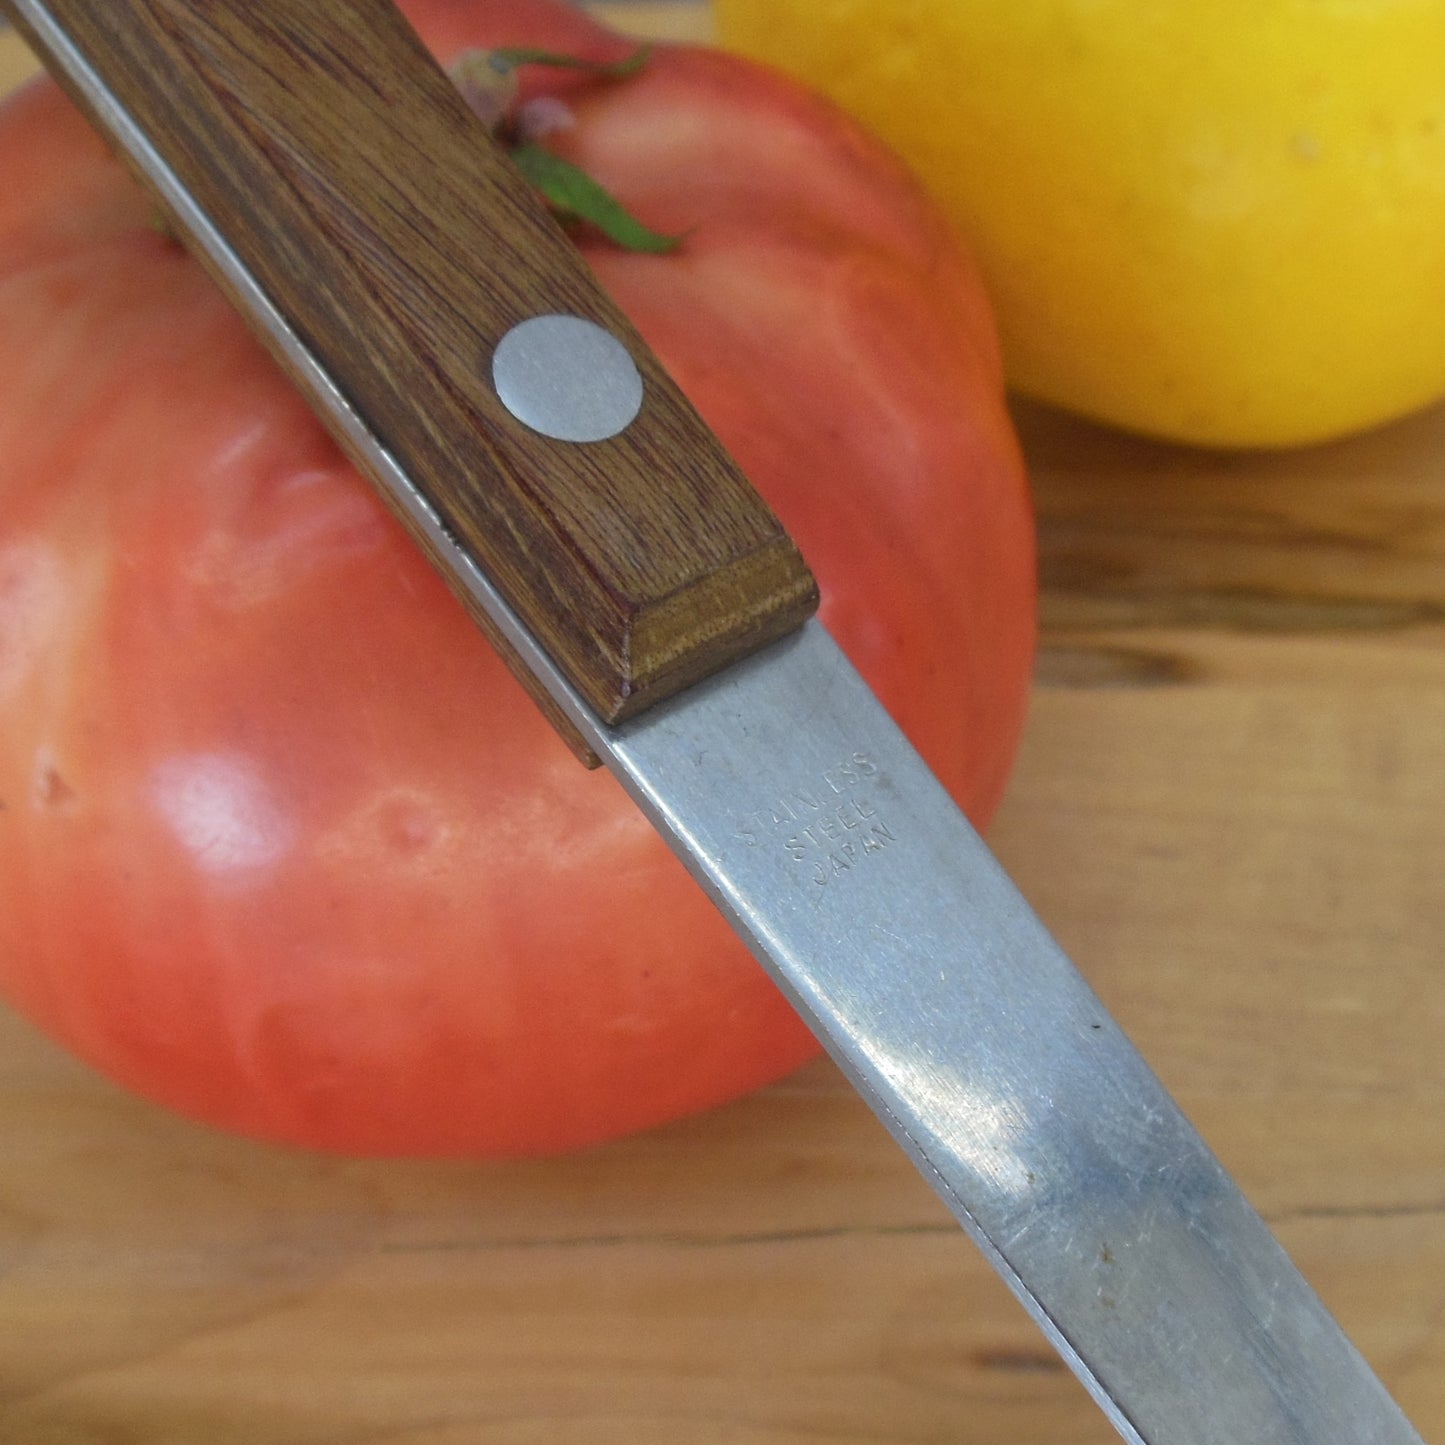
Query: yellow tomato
[[1221, 221]]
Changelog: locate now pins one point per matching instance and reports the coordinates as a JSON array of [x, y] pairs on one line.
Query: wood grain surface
[[1231, 808]]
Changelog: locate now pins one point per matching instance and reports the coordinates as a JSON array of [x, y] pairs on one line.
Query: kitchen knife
[[327, 174]]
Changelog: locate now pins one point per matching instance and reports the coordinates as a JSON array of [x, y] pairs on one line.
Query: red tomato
[[283, 846]]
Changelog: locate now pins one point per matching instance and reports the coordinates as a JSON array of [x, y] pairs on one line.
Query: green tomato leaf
[[510, 59], [575, 196]]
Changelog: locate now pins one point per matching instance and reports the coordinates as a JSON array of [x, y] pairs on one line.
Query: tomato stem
[[487, 80]]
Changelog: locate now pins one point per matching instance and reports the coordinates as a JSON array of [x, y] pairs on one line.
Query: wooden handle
[[401, 245]]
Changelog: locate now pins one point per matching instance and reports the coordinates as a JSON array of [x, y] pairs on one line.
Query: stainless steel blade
[[824, 838], [807, 816]]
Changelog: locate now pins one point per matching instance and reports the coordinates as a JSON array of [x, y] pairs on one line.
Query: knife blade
[[521, 430]]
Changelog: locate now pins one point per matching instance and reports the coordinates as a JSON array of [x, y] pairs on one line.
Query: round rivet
[[567, 378]]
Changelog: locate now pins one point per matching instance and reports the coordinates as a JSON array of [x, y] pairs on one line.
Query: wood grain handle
[[379, 217]]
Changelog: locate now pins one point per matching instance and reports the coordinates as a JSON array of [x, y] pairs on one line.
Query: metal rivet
[[567, 378]]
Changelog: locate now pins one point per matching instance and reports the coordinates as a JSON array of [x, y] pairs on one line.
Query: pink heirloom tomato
[[282, 844]]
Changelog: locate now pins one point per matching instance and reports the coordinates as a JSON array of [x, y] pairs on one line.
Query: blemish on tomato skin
[[408, 828], [53, 793]]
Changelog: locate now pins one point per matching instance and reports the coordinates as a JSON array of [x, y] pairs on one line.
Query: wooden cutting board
[[1231, 808]]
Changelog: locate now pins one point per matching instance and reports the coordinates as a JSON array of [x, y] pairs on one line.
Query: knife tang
[[382, 222]]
